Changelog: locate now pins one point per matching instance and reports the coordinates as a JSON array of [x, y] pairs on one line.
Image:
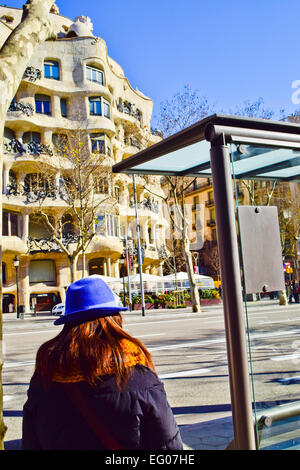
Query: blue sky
[[230, 51]]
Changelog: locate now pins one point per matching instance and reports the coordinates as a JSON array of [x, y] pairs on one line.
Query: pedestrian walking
[[290, 293], [94, 385]]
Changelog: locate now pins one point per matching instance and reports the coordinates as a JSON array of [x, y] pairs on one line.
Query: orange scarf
[[133, 356]]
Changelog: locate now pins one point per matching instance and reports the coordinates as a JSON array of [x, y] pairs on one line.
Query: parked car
[[58, 309]]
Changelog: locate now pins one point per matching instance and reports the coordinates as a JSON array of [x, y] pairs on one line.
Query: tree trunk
[[283, 300], [83, 264], [73, 267], [190, 272], [15, 54], [188, 258]]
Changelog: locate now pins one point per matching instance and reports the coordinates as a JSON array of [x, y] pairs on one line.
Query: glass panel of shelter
[[272, 317], [271, 328]]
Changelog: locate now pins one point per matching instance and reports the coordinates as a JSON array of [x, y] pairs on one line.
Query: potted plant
[[136, 302], [209, 297], [149, 302]]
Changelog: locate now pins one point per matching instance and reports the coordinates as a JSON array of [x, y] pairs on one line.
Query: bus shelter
[[228, 149]]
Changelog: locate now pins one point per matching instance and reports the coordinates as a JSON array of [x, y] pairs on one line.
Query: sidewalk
[[210, 435]]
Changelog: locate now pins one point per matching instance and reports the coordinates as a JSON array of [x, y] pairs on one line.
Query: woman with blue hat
[[94, 385]]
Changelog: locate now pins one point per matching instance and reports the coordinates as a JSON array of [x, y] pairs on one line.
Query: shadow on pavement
[[209, 435], [13, 445], [13, 413], [180, 410]]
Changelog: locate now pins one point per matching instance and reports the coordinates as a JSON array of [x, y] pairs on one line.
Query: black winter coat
[[78, 416]]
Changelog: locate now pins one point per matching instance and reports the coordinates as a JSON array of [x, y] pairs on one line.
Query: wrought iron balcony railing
[[32, 74], [25, 108], [33, 147]]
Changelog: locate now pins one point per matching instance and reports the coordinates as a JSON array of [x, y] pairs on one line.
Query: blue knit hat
[[88, 299]]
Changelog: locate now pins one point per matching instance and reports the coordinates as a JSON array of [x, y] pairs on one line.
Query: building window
[[100, 143], [60, 142], [106, 108], [38, 184], [31, 137], [95, 106], [63, 107], [9, 142], [51, 69], [100, 225], [112, 225], [99, 106], [42, 271], [96, 266], [150, 236], [108, 225], [11, 184], [11, 224], [38, 229], [8, 134], [43, 104], [68, 227], [117, 193], [94, 74], [102, 185], [4, 274]]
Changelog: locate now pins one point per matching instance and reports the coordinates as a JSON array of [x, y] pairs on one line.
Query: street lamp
[[16, 265]]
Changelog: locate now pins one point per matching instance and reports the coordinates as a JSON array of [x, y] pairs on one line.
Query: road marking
[[49, 331], [220, 340], [7, 398], [9, 365], [186, 345], [287, 357], [153, 334], [28, 332], [279, 321], [183, 373], [161, 322]]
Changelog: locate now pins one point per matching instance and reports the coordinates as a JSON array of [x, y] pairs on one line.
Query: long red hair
[[89, 348]]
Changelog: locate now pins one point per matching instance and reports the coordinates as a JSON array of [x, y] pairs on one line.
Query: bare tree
[[185, 108], [85, 188], [175, 204], [287, 200], [34, 28]]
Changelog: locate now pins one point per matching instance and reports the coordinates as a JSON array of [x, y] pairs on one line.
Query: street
[[189, 352]]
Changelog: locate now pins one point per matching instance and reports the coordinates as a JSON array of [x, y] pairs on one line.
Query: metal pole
[[124, 292], [139, 248], [128, 274], [18, 307], [244, 435]]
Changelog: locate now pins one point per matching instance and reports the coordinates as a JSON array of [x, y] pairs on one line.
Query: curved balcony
[[99, 124], [145, 209], [14, 244], [106, 244], [150, 253], [124, 117]]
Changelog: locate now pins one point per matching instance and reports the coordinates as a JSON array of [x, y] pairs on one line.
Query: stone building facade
[[72, 83]]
